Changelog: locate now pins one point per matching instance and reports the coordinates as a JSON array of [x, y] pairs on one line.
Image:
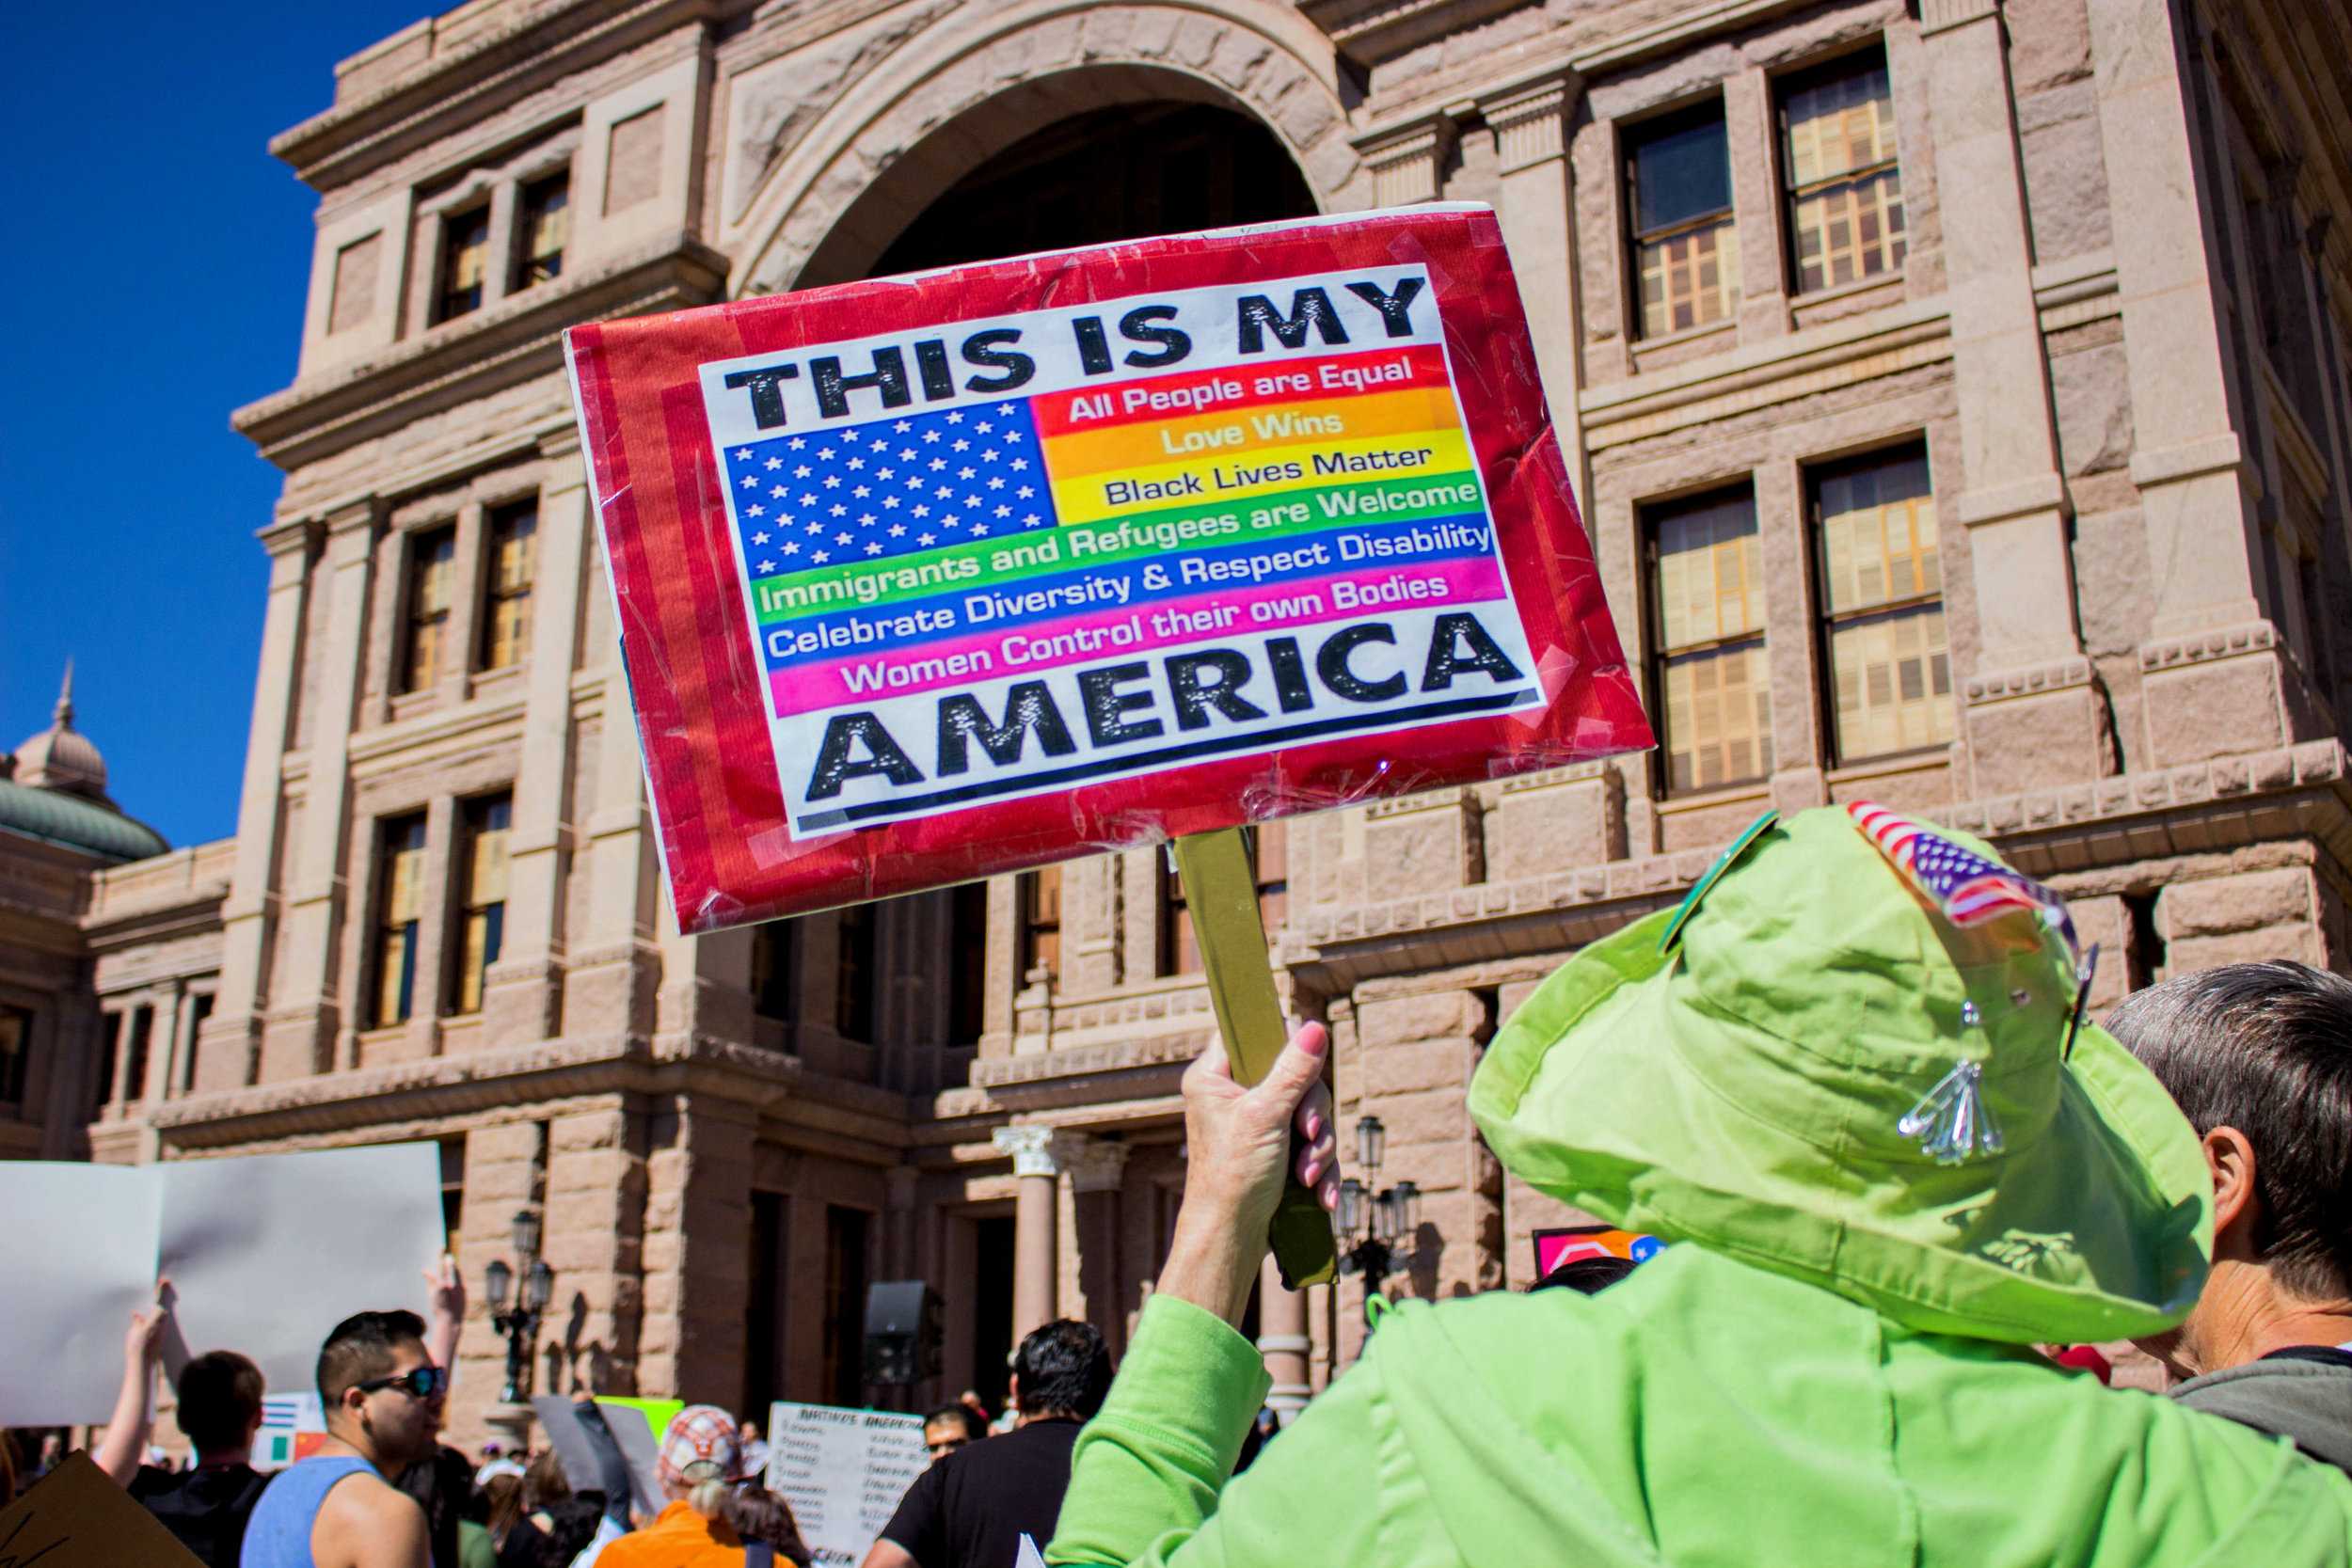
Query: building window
[[967, 965], [764, 1351], [1041, 921], [453, 1189], [201, 1010], [1845, 190], [134, 1061], [400, 898], [845, 1296], [854, 975], [514, 553], [464, 262], [543, 226], [106, 1065], [1685, 251], [1714, 694], [1883, 605], [483, 930], [432, 575], [1268, 845], [16, 1054]]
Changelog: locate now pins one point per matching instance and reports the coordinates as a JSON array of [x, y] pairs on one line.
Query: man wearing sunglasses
[[337, 1509]]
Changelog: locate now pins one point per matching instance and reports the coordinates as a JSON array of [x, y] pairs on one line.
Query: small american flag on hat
[[1969, 888]]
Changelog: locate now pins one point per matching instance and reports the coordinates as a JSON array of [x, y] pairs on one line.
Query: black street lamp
[[521, 1323], [1374, 1228]]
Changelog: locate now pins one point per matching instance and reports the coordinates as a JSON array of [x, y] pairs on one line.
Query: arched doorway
[[1116, 173]]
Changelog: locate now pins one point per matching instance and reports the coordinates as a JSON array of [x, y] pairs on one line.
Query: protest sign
[[630, 1421], [577, 1451], [925, 578], [265, 1253], [843, 1471], [1568, 1244], [294, 1427], [76, 1516]]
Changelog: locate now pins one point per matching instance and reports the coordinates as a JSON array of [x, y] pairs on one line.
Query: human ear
[[2229, 1159]]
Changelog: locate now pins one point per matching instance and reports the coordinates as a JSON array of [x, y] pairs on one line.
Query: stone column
[[230, 1055], [1408, 161], [1533, 205], [615, 967], [302, 1033], [1282, 1340], [2210, 670], [1098, 1174], [522, 992], [2033, 716], [1036, 1153], [1757, 212]]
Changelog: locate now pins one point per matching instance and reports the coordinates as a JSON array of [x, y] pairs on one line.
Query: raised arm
[[449, 1311], [612, 1465], [133, 1420]]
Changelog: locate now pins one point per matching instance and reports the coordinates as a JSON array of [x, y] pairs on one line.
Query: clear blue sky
[[155, 269]]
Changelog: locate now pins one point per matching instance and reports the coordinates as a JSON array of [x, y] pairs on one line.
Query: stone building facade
[[1956, 391]]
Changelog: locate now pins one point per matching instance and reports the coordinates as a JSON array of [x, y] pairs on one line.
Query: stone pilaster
[[2032, 715], [308, 1012], [1098, 1176], [230, 1055], [698, 1182], [1562, 816], [615, 966], [523, 990], [1529, 126], [1408, 161]]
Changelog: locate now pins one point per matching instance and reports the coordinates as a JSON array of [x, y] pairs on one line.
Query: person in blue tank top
[[336, 1509]]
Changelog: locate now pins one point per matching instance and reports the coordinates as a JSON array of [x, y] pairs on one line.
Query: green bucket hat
[[1811, 1068]]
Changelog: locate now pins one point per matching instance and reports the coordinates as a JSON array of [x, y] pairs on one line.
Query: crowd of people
[[1905, 1181]]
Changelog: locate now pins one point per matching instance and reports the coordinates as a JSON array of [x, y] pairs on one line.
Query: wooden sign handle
[[1221, 893]]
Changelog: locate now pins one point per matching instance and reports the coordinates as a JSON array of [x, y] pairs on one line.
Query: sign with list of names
[[843, 1471]]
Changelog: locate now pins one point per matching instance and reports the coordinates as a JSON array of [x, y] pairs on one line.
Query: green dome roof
[[57, 818]]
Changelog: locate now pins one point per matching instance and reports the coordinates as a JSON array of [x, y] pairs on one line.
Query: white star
[[996, 482], [816, 528], [873, 549], [776, 490], [1024, 492], [922, 510], [937, 463], [972, 501], [866, 519], [891, 502], [966, 473], [925, 538], [776, 463], [840, 538], [857, 462], [906, 454], [749, 484], [808, 498], [932, 436], [886, 473], [979, 531], [836, 510], [952, 521], [755, 511], [1012, 434], [796, 443], [915, 481], [878, 444], [944, 492], [821, 557], [898, 531], [1019, 463], [963, 445], [801, 471], [955, 418], [903, 426], [791, 549], [767, 566], [860, 491], [832, 482], [743, 454], [824, 455], [759, 538], [1003, 511], [983, 428], [992, 456], [1031, 520]]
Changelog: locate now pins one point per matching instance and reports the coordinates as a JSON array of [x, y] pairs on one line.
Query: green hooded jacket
[[1703, 1411]]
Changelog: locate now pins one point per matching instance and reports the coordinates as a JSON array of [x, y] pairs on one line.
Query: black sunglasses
[[421, 1382]]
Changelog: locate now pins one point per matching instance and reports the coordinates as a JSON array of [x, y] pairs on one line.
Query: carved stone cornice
[[1037, 1150], [2028, 680], [1942, 16], [1370, 31], [2169, 653], [513, 341], [1101, 1167]]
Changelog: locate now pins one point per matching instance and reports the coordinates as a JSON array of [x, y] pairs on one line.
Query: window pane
[[514, 550], [1878, 543], [16, 1046], [1718, 718], [1846, 194], [1682, 170], [399, 888], [1041, 921], [1893, 684], [1711, 580], [545, 224], [483, 923], [432, 574], [1689, 279], [465, 258]]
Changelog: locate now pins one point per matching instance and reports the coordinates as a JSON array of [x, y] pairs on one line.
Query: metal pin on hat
[[1951, 1121]]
